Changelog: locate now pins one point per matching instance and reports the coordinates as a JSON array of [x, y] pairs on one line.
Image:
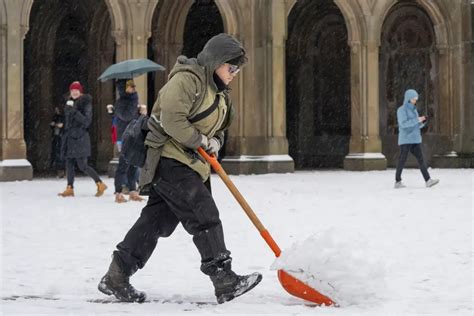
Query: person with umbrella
[[76, 143], [193, 110], [125, 110]]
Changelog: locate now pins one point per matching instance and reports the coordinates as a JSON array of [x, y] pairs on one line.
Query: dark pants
[[82, 165], [417, 151], [125, 174], [56, 162], [178, 196]]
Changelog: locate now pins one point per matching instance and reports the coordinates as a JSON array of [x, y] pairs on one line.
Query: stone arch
[[25, 15], [408, 59], [355, 29], [45, 81], [318, 118], [116, 15], [165, 44], [230, 16], [432, 8], [167, 29], [197, 31]]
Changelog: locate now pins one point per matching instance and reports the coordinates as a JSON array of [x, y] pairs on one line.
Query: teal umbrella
[[129, 69]]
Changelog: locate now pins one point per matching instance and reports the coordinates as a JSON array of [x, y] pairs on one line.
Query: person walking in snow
[[409, 138], [192, 110], [76, 143], [126, 109]]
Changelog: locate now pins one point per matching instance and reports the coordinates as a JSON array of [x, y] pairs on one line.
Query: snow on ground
[[384, 251]]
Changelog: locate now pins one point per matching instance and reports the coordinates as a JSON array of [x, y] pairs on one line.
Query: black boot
[[229, 285], [116, 282]]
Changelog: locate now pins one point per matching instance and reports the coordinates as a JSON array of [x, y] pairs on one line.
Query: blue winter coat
[[408, 124]]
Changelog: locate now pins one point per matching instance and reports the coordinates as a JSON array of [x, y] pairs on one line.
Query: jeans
[[126, 175]]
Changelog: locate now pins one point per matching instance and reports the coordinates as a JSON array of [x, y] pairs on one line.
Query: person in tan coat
[[192, 110]]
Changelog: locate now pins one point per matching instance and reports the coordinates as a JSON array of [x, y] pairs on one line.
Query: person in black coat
[[126, 109], [76, 143]]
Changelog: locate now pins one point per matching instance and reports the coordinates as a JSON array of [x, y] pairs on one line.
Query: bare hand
[[421, 119]]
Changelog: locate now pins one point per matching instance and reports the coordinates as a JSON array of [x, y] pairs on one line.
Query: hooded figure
[[408, 124], [192, 110], [409, 138]]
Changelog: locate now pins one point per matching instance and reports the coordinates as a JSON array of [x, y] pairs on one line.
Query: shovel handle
[[241, 200]]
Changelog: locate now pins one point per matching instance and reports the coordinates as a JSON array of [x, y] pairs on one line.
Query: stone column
[[365, 149], [469, 142], [13, 163], [456, 140], [257, 140], [131, 43]]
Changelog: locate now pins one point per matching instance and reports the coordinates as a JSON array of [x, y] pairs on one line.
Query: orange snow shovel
[[290, 284]]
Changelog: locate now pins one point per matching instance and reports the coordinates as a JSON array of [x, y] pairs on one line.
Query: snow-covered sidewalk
[[385, 251]]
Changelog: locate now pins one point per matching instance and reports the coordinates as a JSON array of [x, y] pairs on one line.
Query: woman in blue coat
[[409, 138]]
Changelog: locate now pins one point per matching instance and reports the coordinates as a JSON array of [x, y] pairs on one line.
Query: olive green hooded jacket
[[190, 90]]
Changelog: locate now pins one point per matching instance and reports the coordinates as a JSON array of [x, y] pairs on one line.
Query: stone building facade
[[321, 89]]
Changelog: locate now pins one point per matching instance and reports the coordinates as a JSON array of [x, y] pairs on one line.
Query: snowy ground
[[385, 251]]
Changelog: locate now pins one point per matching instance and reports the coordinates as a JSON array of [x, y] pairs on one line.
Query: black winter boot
[[116, 282], [229, 285]]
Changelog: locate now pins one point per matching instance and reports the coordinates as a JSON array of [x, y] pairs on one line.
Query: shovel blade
[[299, 289]]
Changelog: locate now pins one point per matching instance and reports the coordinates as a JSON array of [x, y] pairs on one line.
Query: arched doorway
[[198, 30], [67, 41], [408, 60], [318, 85], [193, 24]]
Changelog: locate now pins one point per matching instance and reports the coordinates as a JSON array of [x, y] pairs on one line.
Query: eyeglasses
[[233, 69]]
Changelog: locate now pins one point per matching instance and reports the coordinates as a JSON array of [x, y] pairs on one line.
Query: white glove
[[210, 145], [110, 108], [204, 142], [214, 146], [142, 109]]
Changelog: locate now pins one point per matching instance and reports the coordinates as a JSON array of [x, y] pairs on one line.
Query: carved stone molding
[[23, 30], [119, 37], [355, 47], [442, 49]]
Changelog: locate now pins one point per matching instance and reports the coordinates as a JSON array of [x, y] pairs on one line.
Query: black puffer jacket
[[125, 108], [76, 141]]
